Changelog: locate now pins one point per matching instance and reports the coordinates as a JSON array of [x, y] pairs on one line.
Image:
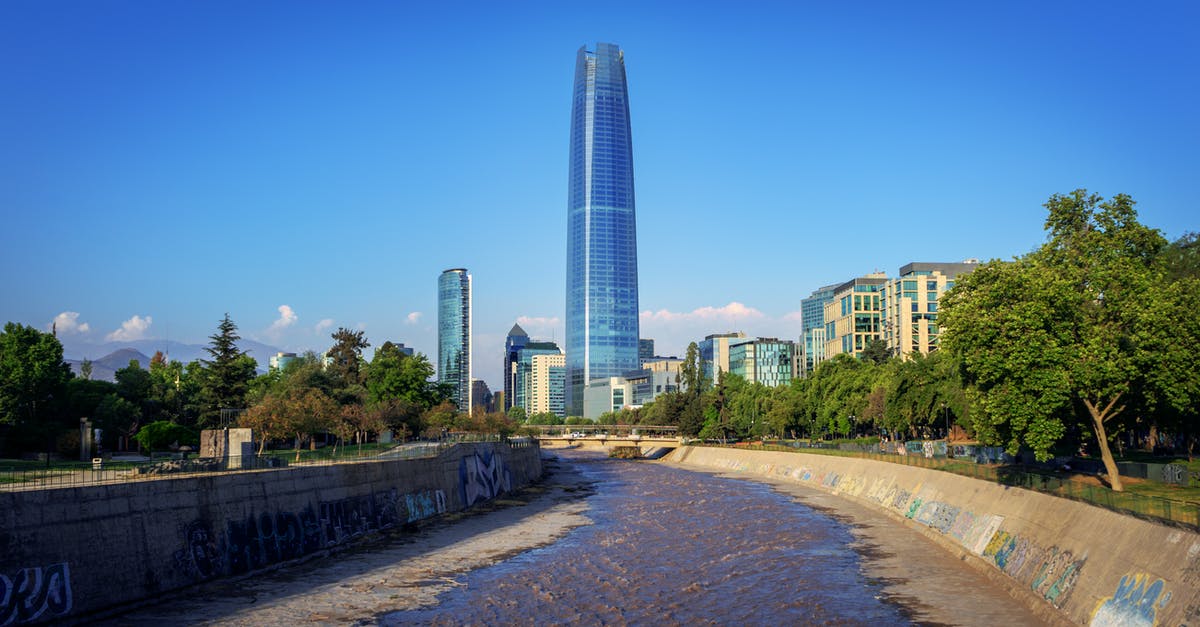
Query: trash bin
[[97, 463]]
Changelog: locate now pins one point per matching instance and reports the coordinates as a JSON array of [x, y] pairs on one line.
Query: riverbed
[[606, 541]]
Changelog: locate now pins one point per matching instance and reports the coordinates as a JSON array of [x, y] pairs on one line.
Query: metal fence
[[1155, 507], [68, 474]]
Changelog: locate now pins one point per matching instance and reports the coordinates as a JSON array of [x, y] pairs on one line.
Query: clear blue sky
[[177, 160]]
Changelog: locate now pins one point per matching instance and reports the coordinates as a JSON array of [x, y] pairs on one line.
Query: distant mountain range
[[109, 357]]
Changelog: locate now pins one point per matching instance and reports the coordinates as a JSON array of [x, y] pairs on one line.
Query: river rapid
[[676, 547]]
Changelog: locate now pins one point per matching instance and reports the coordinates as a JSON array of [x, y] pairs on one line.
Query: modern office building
[[516, 340], [523, 382], [547, 383], [645, 350], [766, 360], [602, 276], [454, 334], [854, 316], [714, 354], [910, 305], [632, 389], [812, 328]]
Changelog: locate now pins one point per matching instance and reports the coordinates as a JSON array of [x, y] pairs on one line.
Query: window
[[932, 306]]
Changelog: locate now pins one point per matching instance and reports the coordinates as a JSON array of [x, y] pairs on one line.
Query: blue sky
[[309, 165]]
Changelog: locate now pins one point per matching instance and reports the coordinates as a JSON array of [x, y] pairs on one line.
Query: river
[[618, 542]]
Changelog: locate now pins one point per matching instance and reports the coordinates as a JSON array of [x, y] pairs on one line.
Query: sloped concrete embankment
[[1088, 564], [69, 552]]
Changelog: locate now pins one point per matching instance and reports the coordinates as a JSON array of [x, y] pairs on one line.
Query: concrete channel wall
[[68, 552], [1086, 564]]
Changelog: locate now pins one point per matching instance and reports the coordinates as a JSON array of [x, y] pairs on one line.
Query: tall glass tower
[[602, 279], [454, 334]]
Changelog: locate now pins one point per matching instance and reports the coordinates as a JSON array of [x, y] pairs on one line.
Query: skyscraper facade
[[812, 323], [516, 340], [602, 279], [454, 334]]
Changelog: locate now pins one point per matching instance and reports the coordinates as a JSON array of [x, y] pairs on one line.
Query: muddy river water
[[615, 542]]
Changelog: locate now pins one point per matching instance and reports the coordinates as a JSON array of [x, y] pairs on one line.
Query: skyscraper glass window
[[454, 334], [602, 279]]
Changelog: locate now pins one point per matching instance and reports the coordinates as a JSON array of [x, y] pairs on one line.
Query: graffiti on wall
[[266, 538], [1136, 602], [32, 592], [483, 477]]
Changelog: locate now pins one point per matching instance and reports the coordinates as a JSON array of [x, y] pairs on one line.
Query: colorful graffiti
[[1135, 603], [32, 592], [265, 538], [483, 478]]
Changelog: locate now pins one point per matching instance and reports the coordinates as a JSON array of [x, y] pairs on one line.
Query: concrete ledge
[[1079, 562], [71, 552]]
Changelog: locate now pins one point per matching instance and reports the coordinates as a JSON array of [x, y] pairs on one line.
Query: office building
[[481, 396], [523, 382], [602, 277], [645, 351], [853, 317], [454, 335], [766, 360], [714, 354], [910, 305], [812, 328], [547, 385], [516, 340]]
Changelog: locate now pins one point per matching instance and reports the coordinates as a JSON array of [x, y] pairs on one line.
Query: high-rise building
[[854, 316], [523, 392], [481, 396], [602, 278], [454, 334], [547, 377], [714, 355], [516, 340], [910, 305], [812, 328], [645, 350]]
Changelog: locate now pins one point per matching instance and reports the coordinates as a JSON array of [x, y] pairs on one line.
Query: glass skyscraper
[[602, 279], [454, 334]]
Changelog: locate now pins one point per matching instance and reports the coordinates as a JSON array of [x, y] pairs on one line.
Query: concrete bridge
[[646, 437]]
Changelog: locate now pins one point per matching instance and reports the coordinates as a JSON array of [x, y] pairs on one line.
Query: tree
[[876, 351], [1066, 332], [517, 413], [85, 369], [227, 374], [345, 357], [162, 434], [691, 375], [32, 375]]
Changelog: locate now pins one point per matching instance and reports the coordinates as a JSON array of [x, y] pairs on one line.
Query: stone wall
[[69, 552], [1087, 564]]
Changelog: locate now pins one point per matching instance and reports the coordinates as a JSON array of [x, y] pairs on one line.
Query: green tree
[[161, 435], [876, 351], [517, 413], [85, 369], [32, 375], [691, 375], [345, 357], [393, 374], [1065, 333], [227, 374]]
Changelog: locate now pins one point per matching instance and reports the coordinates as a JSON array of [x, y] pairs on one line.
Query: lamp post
[[946, 419]]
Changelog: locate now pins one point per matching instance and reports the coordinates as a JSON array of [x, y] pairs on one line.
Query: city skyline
[[166, 164]]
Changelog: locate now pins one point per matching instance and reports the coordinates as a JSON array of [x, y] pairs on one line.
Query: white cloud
[[543, 327], [324, 324], [793, 316], [134, 328], [287, 317], [732, 312], [413, 317], [67, 323]]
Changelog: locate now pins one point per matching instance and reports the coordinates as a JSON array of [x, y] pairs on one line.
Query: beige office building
[[546, 384], [910, 305], [854, 316]]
